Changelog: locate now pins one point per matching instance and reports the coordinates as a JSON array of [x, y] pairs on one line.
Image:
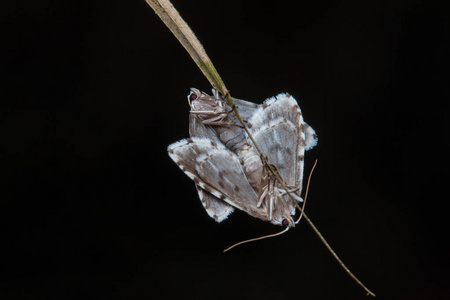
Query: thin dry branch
[[180, 29]]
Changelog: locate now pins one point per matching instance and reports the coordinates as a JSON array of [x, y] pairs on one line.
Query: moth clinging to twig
[[227, 168], [215, 161]]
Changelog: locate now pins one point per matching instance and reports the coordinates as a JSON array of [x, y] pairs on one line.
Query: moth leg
[[293, 193], [268, 195], [218, 122], [215, 93], [271, 200], [265, 189], [203, 112], [217, 119], [263, 195]]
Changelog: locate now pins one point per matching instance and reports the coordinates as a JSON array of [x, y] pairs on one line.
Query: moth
[[227, 168]]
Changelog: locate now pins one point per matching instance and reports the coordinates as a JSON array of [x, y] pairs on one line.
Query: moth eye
[[285, 222], [192, 96]]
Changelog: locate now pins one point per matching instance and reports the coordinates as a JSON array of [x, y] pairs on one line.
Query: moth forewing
[[216, 208], [279, 130], [218, 171]]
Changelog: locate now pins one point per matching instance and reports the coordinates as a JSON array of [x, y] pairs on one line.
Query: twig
[[170, 16]]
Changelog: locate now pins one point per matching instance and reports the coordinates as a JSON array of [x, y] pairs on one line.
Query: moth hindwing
[[227, 168]]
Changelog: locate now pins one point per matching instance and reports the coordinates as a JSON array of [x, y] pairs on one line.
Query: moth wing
[[310, 137], [185, 157], [218, 171], [222, 172], [217, 209], [246, 108], [281, 106], [278, 140], [198, 129], [280, 132]]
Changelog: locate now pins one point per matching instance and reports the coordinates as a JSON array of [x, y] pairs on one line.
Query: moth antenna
[[258, 238], [306, 192]]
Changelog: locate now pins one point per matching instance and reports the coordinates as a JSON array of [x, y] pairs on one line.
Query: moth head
[[193, 95], [287, 221], [284, 211], [207, 107]]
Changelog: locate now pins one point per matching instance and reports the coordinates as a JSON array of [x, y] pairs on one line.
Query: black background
[[92, 93]]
